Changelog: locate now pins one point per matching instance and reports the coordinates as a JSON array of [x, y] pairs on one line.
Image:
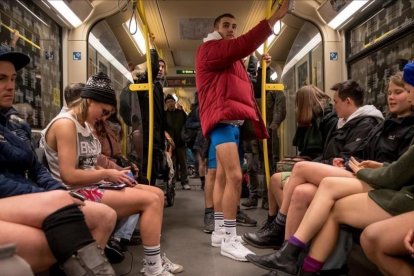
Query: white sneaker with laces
[[166, 264], [164, 272], [170, 266], [232, 248], [217, 238]]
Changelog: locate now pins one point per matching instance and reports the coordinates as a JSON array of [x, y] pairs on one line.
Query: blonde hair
[[310, 103], [396, 79], [82, 104]]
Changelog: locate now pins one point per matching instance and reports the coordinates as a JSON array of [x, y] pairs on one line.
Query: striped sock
[[230, 226], [153, 259], [218, 221], [311, 265], [281, 219]]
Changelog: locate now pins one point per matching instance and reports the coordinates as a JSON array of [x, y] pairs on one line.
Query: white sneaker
[[232, 248], [164, 272], [217, 238], [170, 266], [166, 264]]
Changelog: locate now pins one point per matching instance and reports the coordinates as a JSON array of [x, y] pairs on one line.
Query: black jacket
[[388, 140], [345, 141], [159, 113]]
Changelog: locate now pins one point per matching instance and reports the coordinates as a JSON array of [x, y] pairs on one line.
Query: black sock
[[66, 232], [270, 218], [208, 210]]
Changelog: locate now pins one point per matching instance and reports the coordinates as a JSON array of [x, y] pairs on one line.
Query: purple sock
[[296, 242], [311, 265]]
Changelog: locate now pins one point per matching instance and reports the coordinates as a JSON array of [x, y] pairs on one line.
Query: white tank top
[[88, 147]]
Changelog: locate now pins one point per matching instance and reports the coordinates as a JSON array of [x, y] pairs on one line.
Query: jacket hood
[[363, 111], [212, 36]]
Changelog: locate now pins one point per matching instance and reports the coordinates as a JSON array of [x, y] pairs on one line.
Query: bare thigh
[[31, 244], [129, 200], [313, 172], [358, 210], [399, 226], [32, 209]]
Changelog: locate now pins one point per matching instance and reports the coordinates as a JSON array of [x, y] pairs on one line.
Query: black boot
[[284, 260], [271, 235]]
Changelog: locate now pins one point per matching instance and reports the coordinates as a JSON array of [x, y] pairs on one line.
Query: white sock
[[218, 221], [230, 226], [153, 259]]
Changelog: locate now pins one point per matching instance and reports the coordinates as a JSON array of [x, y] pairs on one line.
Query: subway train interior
[[317, 44]]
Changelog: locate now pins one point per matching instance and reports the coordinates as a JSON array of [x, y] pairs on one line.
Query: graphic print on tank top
[[89, 148]]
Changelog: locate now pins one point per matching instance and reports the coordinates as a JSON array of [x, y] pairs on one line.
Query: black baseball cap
[[18, 59]]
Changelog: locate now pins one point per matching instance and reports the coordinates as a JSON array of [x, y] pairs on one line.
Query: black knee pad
[[66, 232]]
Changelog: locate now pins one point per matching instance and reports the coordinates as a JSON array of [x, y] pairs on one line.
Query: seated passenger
[[391, 253], [375, 195], [38, 215], [72, 150], [384, 143], [354, 124]]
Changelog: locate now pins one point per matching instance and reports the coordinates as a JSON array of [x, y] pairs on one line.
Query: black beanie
[[98, 88]]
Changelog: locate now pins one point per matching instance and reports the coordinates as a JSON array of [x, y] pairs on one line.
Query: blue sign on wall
[[333, 55], [77, 56]]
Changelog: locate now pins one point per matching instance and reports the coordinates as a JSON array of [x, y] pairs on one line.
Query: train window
[[38, 87], [106, 55], [380, 46], [374, 70]]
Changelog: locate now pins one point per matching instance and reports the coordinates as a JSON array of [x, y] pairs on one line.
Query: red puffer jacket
[[224, 89]]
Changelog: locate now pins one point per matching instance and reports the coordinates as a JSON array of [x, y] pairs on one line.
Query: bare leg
[[219, 185], [309, 172], [275, 194], [209, 188], [131, 201], [330, 190], [385, 250], [100, 220], [202, 166], [32, 209], [301, 198], [357, 210], [28, 240], [228, 157]]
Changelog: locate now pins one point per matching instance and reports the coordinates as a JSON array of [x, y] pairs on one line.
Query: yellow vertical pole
[[141, 11], [263, 101]]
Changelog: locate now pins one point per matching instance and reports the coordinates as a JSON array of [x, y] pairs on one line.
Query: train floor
[[185, 243]]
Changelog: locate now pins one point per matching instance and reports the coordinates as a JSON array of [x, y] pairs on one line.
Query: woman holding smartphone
[[72, 150]]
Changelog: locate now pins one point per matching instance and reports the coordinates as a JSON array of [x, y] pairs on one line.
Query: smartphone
[[77, 195], [112, 186]]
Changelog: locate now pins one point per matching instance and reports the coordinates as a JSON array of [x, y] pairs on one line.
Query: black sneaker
[[113, 251], [250, 203], [208, 222], [243, 219]]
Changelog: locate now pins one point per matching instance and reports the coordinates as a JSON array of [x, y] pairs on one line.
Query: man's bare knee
[[275, 181], [302, 195], [299, 167]]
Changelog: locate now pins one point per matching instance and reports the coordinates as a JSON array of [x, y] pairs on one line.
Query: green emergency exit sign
[[185, 72]]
